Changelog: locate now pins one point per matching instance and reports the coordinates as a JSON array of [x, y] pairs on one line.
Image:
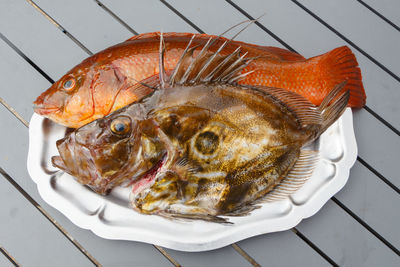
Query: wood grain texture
[[332, 230]]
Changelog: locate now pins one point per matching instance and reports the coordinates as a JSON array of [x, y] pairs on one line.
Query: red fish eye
[[69, 84], [121, 125]]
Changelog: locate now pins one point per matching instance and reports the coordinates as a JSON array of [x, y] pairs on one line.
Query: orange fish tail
[[340, 65]]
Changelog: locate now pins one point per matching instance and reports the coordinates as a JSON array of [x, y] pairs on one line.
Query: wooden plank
[[56, 12], [299, 32], [310, 38], [368, 31], [90, 24], [36, 37], [15, 149], [226, 256], [22, 225], [181, 257], [273, 250], [372, 200], [380, 154], [362, 117], [19, 92], [377, 145], [336, 233], [4, 261], [217, 25], [33, 80], [147, 16], [386, 8], [107, 252]]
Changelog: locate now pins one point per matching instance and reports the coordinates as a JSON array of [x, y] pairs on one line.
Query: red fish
[[107, 81]]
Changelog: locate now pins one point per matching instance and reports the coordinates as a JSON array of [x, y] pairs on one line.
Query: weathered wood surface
[[358, 227]]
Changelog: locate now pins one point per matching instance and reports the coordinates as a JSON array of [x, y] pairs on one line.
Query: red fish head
[[91, 90], [69, 100]]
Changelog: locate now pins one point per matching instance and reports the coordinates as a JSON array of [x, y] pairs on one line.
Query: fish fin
[[194, 216], [156, 35], [298, 175], [308, 115], [284, 54], [250, 22], [306, 112], [161, 65], [340, 64], [151, 82], [243, 211], [144, 36], [333, 105], [183, 166], [209, 67], [139, 90]]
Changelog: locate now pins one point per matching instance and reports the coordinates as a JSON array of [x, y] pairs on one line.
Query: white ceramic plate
[[111, 216]]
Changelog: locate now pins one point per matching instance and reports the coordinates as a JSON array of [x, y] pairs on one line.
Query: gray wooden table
[[41, 40]]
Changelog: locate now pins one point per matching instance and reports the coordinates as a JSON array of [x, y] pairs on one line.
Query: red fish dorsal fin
[[143, 36], [205, 67], [283, 53], [273, 52], [156, 35]]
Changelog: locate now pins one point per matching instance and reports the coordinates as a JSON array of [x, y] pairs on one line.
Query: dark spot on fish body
[[181, 123], [112, 158], [233, 197], [171, 125], [207, 142], [164, 195], [148, 128], [201, 185], [181, 185]]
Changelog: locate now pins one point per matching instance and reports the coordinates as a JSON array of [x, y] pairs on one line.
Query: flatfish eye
[[207, 142], [69, 84], [121, 125]]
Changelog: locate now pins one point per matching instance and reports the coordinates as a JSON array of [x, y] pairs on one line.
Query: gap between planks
[[237, 248], [373, 113], [48, 217], [379, 14], [275, 37], [369, 110], [55, 23], [347, 210], [52, 220], [332, 29], [9, 257]]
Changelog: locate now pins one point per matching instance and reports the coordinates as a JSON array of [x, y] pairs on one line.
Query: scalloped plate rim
[[286, 222]]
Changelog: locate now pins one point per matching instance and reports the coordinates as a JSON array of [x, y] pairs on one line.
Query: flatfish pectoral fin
[[297, 176]]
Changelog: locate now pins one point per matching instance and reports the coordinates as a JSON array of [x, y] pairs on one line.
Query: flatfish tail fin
[[316, 119], [333, 106]]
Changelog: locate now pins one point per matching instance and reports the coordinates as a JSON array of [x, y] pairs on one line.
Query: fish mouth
[[146, 180], [58, 162], [45, 110]]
